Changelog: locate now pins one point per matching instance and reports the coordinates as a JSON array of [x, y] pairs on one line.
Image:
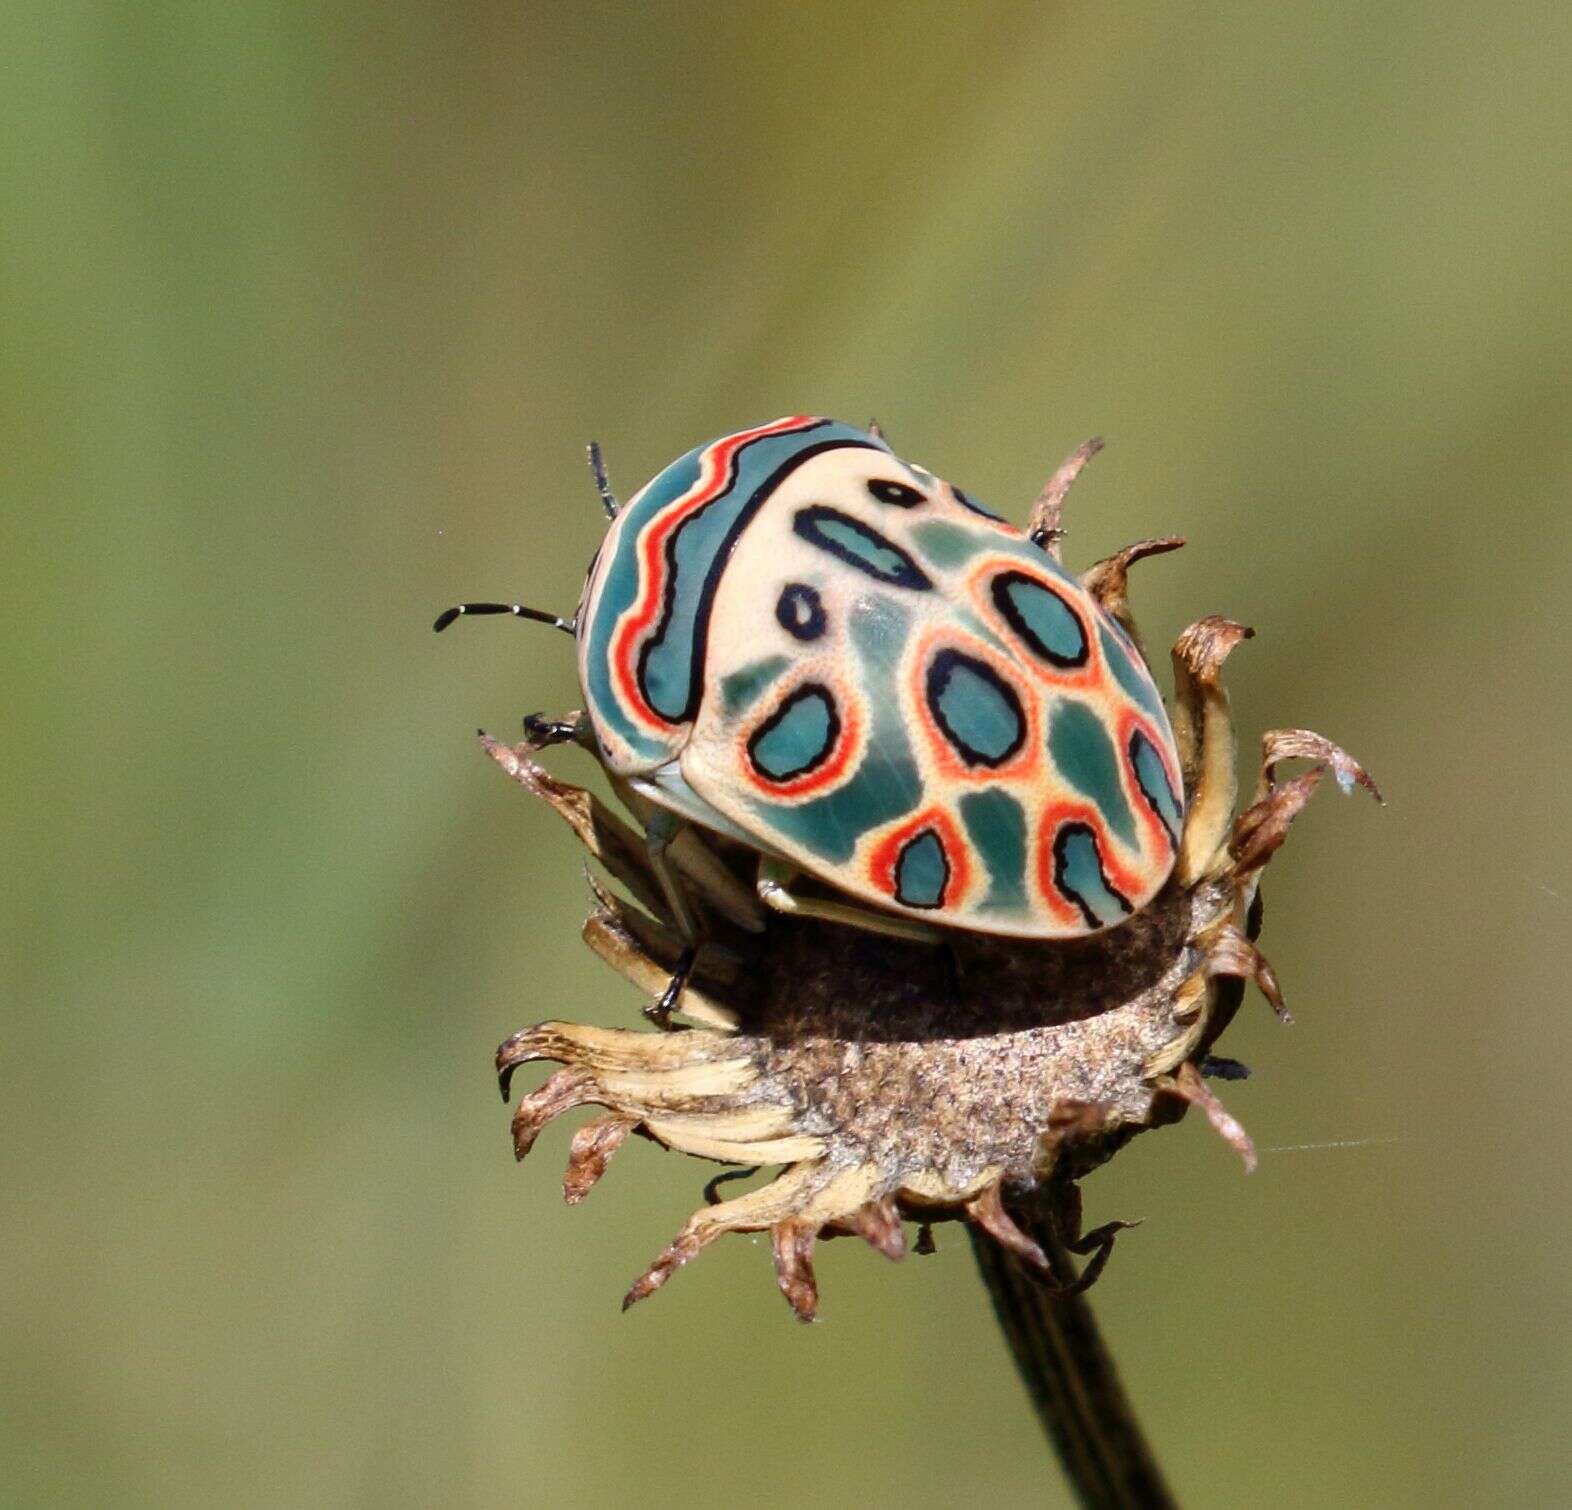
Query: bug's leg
[[659, 1012], [774, 887], [662, 827], [1097, 1244], [704, 872]]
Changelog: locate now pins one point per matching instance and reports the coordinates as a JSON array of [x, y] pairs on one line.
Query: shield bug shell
[[796, 639]]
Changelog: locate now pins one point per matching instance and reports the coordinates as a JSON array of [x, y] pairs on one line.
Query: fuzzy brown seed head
[[894, 1080]]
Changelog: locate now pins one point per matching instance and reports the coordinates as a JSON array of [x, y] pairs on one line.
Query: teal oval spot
[[798, 736], [922, 871], [1086, 758], [950, 545], [977, 711], [852, 541], [1044, 621]]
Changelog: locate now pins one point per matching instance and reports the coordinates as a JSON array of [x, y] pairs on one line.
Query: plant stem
[[1069, 1372]]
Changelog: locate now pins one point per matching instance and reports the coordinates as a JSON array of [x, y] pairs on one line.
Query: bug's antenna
[[518, 610], [608, 499]]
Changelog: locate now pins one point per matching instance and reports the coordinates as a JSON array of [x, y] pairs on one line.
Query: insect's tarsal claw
[[541, 732], [659, 1012]]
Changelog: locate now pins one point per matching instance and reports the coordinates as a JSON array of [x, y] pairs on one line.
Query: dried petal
[[793, 1245], [1187, 1083], [1204, 733], [591, 1149], [1108, 580]]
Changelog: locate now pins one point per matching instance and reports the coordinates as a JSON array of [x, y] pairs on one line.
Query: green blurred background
[[307, 314]]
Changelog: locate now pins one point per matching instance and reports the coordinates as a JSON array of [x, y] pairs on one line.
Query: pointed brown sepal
[[686, 1246], [878, 1224], [1188, 1084], [1203, 733], [793, 1243], [1278, 745], [591, 1149], [1108, 580], [546, 1040], [568, 1088], [987, 1211], [1260, 829], [1044, 524], [599, 830], [1231, 953]]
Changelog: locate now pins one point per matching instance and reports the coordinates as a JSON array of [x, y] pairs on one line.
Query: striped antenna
[[608, 499], [518, 610]]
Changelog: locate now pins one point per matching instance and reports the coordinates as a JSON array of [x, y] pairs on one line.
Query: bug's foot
[[1099, 1243], [659, 1011]]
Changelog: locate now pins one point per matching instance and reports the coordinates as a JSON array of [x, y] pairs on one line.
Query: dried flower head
[[891, 1080]]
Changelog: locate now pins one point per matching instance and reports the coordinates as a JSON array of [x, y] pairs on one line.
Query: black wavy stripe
[[669, 593]]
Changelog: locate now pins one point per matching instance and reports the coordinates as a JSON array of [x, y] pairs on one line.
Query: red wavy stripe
[[714, 469]]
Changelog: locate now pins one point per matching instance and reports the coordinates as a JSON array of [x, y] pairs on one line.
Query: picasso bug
[[792, 638]]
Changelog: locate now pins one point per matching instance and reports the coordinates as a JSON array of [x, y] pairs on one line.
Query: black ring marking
[[1061, 862], [940, 670], [815, 691], [809, 523], [706, 599], [904, 852], [999, 590], [898, 493], [800, 611]]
